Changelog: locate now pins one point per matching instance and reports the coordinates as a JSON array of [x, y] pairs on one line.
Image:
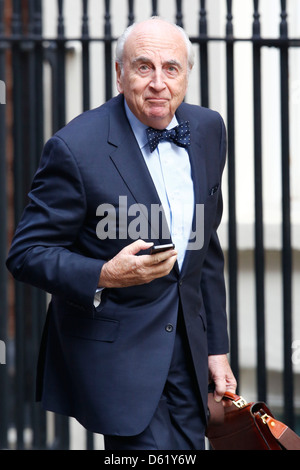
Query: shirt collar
[[139, 129]]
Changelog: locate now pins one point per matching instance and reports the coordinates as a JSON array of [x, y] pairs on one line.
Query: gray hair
[[123, 38]]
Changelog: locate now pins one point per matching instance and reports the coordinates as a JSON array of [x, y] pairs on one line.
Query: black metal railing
[[23, 52]]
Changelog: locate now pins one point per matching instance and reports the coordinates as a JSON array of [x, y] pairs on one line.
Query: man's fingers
[[221, 374], [160, 257], [149, 260], [127, 269], [136, 246], [220, 389]]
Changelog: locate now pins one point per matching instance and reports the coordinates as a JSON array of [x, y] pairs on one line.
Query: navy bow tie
[[180, 135]]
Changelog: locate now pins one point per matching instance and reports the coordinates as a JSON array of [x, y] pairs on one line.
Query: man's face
[[155, 73]]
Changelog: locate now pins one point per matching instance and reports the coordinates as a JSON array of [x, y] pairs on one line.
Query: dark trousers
[[178, 422]]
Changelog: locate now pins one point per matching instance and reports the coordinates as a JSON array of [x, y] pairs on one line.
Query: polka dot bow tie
[[180, 135]]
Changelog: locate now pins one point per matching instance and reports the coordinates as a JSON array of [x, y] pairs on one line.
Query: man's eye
[[172, 70], [144, 68]]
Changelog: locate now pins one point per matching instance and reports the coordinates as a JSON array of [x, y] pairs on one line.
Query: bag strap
[[287, 438]]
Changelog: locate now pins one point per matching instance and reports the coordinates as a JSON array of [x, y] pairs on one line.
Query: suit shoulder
[[87, 123], [199, 112]]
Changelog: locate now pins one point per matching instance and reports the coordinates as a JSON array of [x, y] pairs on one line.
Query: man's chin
[[158, 118]]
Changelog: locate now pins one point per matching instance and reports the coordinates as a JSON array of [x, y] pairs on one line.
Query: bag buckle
[[240, 403], [264, 418]]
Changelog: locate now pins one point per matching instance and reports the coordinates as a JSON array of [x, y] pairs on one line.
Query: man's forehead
[[154, 48], [155, 28], [155, 39]]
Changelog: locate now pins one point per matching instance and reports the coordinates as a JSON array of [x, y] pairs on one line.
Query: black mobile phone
[[160, 248]]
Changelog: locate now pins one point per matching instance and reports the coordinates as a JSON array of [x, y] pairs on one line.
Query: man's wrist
[[105, 278], [101, 282]]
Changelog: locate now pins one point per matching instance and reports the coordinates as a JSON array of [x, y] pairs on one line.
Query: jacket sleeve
[[212, 280], [43, 251]]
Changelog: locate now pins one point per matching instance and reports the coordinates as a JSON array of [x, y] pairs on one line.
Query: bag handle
[[237, 400], [231, 396]]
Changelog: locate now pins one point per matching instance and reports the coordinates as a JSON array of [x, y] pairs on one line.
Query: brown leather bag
[[247, 426]]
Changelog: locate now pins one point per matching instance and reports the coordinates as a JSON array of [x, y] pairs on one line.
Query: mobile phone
[[160, 248]]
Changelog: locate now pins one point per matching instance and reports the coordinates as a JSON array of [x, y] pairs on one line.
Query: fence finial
[[283, 24], [256, 21], [179, 15], [130, 12], [229, 25]]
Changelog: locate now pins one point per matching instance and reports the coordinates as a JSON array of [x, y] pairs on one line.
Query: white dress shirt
[[169, 166]]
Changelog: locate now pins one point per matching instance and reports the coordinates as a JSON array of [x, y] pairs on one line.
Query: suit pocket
[[94, 329]]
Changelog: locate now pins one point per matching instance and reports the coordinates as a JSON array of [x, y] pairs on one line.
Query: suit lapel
[[129, 162]]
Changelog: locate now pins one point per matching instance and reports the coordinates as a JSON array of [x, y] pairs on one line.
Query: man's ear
[[119, 80]]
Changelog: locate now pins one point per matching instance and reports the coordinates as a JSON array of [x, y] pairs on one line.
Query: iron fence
[[23, 52]]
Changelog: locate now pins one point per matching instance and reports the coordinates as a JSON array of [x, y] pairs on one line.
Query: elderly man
[[132, 337]]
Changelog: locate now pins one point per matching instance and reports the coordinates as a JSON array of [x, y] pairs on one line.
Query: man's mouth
[[157, 100]]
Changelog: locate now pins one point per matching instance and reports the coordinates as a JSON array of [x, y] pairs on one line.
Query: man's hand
[[126, 269], [221, 374]]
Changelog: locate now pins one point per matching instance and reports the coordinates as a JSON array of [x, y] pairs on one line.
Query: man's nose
[[158, 80]]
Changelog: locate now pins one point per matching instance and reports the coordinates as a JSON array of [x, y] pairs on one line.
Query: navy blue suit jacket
[[107, 365]]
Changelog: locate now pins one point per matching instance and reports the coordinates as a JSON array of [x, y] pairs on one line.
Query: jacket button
[[169, 328]]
